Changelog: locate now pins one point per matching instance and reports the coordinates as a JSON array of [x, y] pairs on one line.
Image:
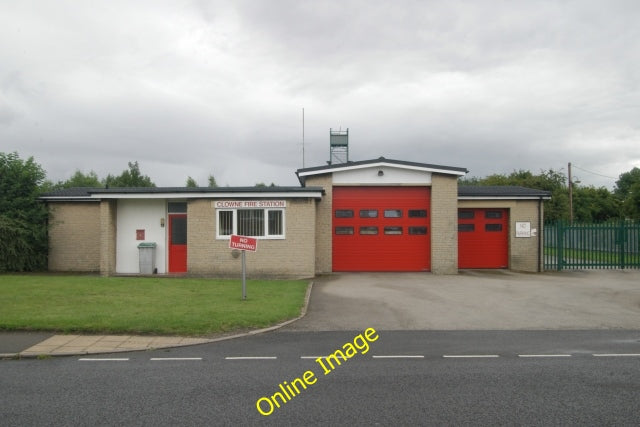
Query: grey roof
[[330, 167], [75, 193], [501, 191], [87, 192]]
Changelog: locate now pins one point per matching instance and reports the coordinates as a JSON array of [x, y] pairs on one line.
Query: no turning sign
[[243, 243]]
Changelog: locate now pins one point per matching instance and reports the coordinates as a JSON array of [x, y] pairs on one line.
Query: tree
[[627, 190], [212, 182], [79, 179], [129, 178], [592, 204], [23, 219], [191, 183], [553, 181]]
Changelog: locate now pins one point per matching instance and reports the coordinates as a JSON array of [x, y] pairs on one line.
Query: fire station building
[[372, 215]]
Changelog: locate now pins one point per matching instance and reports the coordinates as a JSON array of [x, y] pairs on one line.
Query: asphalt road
[[405, 378]]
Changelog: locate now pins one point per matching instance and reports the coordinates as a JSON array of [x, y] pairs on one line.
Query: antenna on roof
[[303, 137]]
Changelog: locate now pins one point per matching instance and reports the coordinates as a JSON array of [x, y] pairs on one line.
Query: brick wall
[[293, 256], [523, 251], [444, 224], [324, 215], [74, 237], [108, 227]]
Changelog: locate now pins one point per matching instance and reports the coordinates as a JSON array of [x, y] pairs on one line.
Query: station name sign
[[229, 204]]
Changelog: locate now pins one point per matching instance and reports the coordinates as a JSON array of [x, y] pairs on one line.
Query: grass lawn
[[159, 306]]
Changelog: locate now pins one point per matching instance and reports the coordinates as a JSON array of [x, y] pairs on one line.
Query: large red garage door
[[483, 238], [381, 229]]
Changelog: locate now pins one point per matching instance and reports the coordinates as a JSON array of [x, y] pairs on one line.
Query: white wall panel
[[390, 176], [139, 215]]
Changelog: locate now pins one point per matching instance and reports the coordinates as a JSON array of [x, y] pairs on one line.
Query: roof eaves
[[319, 170]]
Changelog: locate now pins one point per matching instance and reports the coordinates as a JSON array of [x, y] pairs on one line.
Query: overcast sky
[[192, 88]]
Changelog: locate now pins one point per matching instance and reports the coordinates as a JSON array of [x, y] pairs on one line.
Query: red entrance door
[[177, 243], [483, 238]]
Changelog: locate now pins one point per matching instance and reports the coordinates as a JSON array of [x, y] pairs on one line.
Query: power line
[[594, 173]]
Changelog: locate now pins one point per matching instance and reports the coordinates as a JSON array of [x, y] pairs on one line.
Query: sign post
[[244, 244]]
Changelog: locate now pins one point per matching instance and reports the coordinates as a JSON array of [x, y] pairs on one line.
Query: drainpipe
[[540, 236]]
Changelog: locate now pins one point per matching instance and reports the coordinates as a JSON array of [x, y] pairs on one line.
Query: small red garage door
[[381, 229], [483, 238]]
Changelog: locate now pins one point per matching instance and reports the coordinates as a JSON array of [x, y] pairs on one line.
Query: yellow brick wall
[[523, 251], [108, 229], [324, 233], [74, 237], [293, 256], [444, 224]]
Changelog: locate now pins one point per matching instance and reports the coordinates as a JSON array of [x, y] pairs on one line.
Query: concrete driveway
[[474, 300]]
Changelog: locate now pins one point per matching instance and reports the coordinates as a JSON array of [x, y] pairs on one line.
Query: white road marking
[[250, 357], [175, 358], [310, 357], [544, 355], [114, 359], [469, 356], [617, 355], [399, 356]]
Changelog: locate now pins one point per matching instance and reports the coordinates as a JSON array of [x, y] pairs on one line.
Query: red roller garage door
[[381, 229], [483, 238]]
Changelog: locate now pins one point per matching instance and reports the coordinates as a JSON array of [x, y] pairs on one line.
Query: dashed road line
[[544, 355], [377, 356], [616, 355], [160, 359], [399, 356], [250, 358], [470, 356]]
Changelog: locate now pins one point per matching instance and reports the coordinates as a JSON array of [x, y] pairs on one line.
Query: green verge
[[157, 306]]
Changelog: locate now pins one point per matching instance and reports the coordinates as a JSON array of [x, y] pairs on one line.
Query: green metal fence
[[582, 246]]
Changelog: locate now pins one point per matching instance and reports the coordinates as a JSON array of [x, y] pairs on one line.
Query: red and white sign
[[244, 204], [243, 243]]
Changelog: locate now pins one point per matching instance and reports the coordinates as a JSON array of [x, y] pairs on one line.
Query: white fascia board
[[252, 195], [380, 164], [504, 197]]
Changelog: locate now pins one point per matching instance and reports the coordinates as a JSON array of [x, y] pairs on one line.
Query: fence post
[[622, 234]]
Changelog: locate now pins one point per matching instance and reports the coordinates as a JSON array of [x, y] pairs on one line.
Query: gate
[[582, 246]]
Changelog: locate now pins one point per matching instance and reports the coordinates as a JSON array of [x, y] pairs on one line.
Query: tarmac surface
[[471, 300], [475, 300]]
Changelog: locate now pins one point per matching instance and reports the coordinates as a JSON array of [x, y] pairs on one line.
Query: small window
[[393, 230], [493, 214], [417, 231], [344, 213], [466, 214], [466, 227], [177, 207], [344, 230], [178, 230], [369, 230], [393, 213], [493, 227], [369, 213], [417, 213]]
